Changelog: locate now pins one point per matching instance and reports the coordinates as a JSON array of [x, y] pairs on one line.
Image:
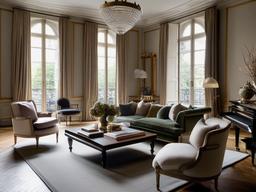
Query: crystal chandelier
[[121, 15]]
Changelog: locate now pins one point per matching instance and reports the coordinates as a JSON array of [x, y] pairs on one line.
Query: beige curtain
[[21, 65], [66, 51], [121, 65], [90, 68], [163, 46], [211, 68]]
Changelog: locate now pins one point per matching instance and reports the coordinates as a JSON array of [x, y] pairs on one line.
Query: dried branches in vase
[[250, 64]]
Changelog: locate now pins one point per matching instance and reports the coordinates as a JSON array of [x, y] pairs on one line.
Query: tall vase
[[103, 123]]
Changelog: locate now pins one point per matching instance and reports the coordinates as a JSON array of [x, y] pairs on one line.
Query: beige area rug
[[128, 169]]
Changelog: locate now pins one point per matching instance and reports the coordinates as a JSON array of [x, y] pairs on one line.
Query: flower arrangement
[[104, 112]]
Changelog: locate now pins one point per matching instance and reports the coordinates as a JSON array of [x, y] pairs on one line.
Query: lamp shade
[[210, 82], [140, 74]]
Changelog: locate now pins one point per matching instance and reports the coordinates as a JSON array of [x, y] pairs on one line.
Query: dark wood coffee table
[[106, 143]]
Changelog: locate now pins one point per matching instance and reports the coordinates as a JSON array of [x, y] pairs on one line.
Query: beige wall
[[237, 31], [5, 65], [151, 39]]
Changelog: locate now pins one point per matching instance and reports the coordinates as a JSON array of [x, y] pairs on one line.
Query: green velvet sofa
[[165, 128]]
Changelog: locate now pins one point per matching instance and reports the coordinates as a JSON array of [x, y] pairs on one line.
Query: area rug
[[128, 168]]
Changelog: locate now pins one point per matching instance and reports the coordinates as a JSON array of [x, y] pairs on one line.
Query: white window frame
[[192, 37], [107, 45], [44, 36]]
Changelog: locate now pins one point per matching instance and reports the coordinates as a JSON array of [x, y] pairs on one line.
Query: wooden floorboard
[[16, 175]]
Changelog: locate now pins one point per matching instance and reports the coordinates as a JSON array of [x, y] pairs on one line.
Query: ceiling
[[154, 11]]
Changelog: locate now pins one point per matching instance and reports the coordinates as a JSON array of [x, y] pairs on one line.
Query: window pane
[[37, 28], [36, 78], [111, 38], [185, 76], [185, 29], [51, 56], [199, 98], [49, 30], [36, 55], [51, 86], [200, 43], [198, 28], [101, 79], [111, 80], [101, 37], [36, 42], [101, 51], [199, 57], [51, 44], [185, 46], [112, 52]]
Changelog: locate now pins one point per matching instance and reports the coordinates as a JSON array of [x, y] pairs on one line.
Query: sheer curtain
[[211, 68], [121, 65], [90, 69], [163, 50], [21, 65]]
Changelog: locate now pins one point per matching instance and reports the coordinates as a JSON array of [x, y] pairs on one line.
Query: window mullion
[[43, 68], [192, 62], [106, 66]]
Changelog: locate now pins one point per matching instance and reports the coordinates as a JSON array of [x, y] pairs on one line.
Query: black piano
[[243, 116]]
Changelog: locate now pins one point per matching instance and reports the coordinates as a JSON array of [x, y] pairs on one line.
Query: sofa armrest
[[188, 118], [22, 126]]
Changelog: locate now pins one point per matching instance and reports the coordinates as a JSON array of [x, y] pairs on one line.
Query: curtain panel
[[90, 68], [163, 50], [21, 61], [121, 68], [66, 30], [211, 69]]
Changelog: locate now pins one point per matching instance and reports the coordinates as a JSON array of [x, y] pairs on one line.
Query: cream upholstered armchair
[[200, 159], [27, 122]]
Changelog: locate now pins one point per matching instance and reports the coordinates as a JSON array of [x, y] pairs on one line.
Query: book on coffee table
[[90, 128], [125, 133], [94, 134]]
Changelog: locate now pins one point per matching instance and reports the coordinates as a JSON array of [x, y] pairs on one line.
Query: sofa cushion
[[153, 110], [142, 108], [199, 132], [45, 122], [160, 125], [127, 109], [175, 155], [175, 110], [163, 113], [131, 118], [25, 109]]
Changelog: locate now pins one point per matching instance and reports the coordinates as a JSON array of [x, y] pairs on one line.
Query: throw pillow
[[27, 110], [142, 108], [175, 110], [153, 110], [199, 132], [163, 113], [133, 107], [126, 109]]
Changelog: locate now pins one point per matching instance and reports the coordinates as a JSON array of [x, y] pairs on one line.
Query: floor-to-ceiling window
[[192, 61], [44, 63], [106, 66]]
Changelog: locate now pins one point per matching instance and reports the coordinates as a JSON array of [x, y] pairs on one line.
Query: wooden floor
[[240, 177]]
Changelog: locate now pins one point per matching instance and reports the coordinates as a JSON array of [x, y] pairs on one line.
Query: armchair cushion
[[173, 156], [68, 111], [25, 109], [45, 122], [199, 132]]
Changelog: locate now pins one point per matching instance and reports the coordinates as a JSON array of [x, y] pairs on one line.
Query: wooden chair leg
[[15, 139], [157, 180], [37, 141], [216, 183], [57, 137]]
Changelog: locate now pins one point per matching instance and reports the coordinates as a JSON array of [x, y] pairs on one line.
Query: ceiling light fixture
[[121, 15]]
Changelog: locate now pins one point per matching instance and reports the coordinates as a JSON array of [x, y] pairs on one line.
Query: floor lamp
[[211, 83]]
